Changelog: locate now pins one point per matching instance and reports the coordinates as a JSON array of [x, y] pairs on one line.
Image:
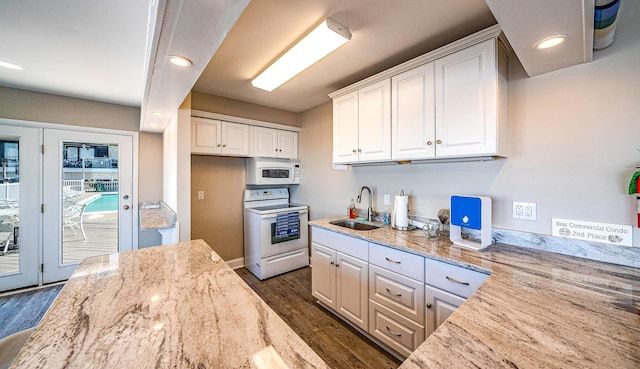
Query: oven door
[[276, 237]]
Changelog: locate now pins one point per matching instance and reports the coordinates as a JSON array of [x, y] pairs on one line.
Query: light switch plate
[[524, 210], [200, 195], [387, 199]]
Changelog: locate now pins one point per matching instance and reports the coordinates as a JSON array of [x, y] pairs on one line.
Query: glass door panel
[[19, 201], [89, 177]]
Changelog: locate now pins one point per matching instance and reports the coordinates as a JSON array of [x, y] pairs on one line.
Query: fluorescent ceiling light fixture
[[180, 61], [550, 42], [320, 42], [8, 65]]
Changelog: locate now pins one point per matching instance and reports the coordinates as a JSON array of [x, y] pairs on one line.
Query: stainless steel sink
[[352, 224]]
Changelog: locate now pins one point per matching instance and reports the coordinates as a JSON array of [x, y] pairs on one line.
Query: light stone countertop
[[536, 310], [175, 306], [156, 215]]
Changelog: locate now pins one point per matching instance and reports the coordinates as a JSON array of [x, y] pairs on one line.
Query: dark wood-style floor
[[24, 310], [338, 344]]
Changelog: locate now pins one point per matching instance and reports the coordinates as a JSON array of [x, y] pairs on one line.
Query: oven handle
[[274, 215]]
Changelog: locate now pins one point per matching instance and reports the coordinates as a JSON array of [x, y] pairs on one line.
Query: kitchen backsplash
[[621, 255]]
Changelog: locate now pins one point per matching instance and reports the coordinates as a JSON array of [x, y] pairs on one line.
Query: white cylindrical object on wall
[[401, 212]]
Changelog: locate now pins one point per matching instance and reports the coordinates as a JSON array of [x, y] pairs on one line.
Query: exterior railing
[[10, 191]]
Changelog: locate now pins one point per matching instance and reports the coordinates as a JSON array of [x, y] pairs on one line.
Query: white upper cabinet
[[205, 136], [211, 136], [345, 128], [362, 125], [447, 104], [274, 143], [467, 94], [413, 114], [374, 122]]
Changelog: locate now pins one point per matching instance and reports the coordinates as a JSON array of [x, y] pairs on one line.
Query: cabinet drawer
[[399, 333], [339, 242], [404, 263], [457, 280], [399, 293]]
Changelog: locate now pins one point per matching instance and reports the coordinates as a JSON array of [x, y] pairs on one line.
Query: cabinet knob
[[429, 143], [219, 145], [337, 265], [224, 145], [359, 150], [354, 151], [332, 263], [428, 306], [438, 142]]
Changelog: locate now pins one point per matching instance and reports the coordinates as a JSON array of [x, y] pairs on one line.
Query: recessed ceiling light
[[180, 61], [8, 65], [550, 41], [155, 125], [157, 114]]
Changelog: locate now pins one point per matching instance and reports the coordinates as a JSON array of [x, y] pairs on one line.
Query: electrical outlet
[[524, 210], [200, 195], [387, 199]]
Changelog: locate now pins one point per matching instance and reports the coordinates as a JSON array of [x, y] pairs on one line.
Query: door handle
[[125, 197], [126, 207]]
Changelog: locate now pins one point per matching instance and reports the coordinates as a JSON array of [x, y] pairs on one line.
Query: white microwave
[[271, 171]]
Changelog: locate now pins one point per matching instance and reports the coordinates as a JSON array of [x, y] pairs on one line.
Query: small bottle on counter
[[386, 216], [353, 212]]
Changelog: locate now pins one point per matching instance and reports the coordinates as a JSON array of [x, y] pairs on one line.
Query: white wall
[[177, 167], [573, 140]]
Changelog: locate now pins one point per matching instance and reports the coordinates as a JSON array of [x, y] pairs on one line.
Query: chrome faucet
[[369, 209]]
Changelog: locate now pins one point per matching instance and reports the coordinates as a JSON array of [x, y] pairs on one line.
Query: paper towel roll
[[401, 211]]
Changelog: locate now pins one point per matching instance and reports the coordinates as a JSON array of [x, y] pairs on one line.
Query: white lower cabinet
[[440, 305], [396, 297], [340, 282], [447, 287], [398, 332]]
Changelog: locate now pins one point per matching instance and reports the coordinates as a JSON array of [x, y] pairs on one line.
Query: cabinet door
[[413, 114], [265, 141], [345, 128], [440, 305], [374, 122], [205, 136], [287, 144], [352, 289], [323, 274], [466, 107], [235, 139]]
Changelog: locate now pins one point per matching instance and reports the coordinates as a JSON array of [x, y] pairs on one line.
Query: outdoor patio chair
[[73, 217]]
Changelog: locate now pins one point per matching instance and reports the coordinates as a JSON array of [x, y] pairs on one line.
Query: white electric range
[[276, 234]]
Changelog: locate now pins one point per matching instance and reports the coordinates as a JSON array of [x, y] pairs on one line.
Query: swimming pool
[[106, 202]]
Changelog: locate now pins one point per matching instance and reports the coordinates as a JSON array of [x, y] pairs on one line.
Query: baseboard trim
[[236, 263]]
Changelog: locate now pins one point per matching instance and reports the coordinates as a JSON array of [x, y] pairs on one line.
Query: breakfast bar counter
[[537, 309], [175, 306]]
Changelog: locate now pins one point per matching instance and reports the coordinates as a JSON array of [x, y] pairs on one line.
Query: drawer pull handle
[[392, 332], [393, 294], [393, 261], [456, 281], [332, 263]]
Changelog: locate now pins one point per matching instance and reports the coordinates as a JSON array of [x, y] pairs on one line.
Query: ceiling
[[92, 49], [115, 51]]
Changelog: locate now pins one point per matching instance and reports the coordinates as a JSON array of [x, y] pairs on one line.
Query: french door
[[64, 196], [19, 207], [88, 199]]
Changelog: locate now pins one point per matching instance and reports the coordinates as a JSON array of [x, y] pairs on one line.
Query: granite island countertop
[[536, 310], [175, 306]]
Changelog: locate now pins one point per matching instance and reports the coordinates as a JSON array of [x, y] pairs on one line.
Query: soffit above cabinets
[[526, 22]]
